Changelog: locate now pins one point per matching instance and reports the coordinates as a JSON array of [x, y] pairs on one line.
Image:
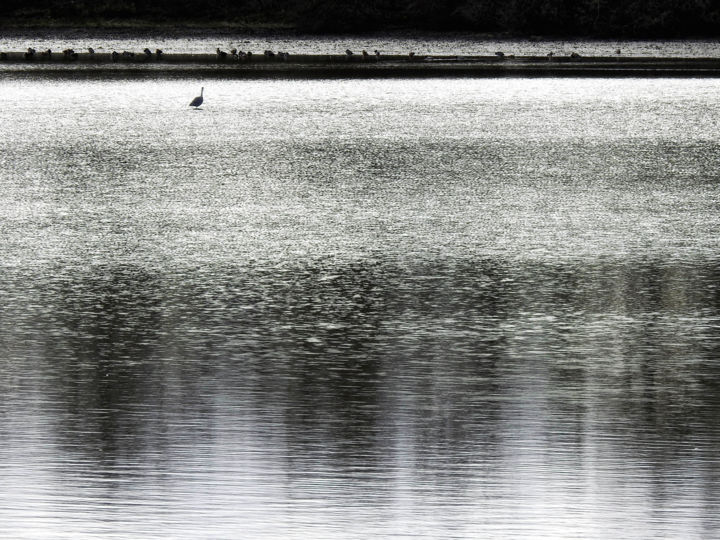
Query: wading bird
[[198, 100]]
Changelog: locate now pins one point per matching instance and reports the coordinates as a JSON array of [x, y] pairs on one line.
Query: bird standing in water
[[198, 100]]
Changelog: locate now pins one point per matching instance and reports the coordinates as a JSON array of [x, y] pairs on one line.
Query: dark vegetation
[[599, 18]]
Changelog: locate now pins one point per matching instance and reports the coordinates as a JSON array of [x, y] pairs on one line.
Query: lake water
[[360, 309]]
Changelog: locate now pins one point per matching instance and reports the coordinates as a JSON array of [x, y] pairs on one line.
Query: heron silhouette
[[198, 100]]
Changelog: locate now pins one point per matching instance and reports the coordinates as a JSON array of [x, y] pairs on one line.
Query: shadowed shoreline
[[359, 66]]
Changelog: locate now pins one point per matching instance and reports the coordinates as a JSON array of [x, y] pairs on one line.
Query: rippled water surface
[[360, 309]]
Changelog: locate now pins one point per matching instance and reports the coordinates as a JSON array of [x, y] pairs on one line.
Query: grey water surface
[[360, 309]]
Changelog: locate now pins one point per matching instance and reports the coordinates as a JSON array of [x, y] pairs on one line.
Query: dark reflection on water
[[468, 386]]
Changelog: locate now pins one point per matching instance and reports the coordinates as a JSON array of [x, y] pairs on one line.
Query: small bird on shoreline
[[196, 102], [70, 54]]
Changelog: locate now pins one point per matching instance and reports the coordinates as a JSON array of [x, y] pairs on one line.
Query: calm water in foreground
[[360, 309]]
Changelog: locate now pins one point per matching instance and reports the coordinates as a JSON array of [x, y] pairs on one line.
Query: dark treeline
[[602, 18]]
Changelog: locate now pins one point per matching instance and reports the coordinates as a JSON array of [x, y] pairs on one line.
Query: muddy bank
[[360, 65]]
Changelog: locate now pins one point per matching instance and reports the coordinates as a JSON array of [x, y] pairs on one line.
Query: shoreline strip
[[334, 66]]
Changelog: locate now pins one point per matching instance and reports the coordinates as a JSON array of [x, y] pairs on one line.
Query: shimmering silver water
[[359, 309]]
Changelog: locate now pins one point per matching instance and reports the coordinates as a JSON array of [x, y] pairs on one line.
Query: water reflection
[[526, 391]]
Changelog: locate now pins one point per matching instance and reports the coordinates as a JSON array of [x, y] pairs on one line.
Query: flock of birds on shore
[[71, 54], [147, 54], [233, 54]]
